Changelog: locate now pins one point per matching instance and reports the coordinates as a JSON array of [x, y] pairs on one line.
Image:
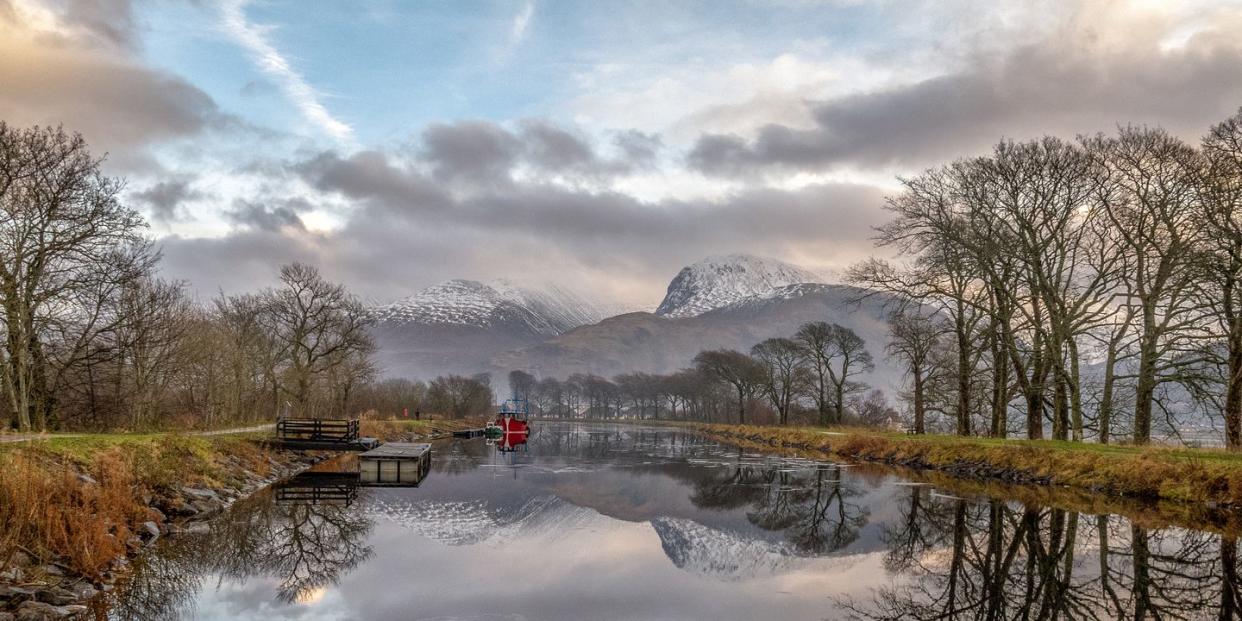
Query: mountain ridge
[[720, 280]]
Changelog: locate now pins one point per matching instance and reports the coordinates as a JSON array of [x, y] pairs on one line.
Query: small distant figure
[[418, 415], [405, 412]]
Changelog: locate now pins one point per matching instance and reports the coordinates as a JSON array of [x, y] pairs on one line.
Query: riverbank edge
[[33, 586], [1211, 478], [1197, 490]]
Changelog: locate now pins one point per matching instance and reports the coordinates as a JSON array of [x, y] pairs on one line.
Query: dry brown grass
[[52, 511], [404, 429], [1192, 475]]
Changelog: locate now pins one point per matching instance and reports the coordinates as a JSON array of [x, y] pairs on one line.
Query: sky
[[599, 145]]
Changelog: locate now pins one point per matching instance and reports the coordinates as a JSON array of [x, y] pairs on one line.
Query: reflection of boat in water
[[511, 428], [510, 442]]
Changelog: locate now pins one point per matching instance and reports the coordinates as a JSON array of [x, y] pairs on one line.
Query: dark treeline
[[811, 377], [93, 338], [1089, 286]]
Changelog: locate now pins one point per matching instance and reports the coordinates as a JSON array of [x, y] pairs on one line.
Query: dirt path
[[29, 437]]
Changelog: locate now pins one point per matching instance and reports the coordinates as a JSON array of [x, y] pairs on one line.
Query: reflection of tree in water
[[163, 584], [307, 546], [961, 560], [808, 506]]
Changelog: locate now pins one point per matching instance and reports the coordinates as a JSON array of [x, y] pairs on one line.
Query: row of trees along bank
[[811, 377], [93, 338], [1094, 285]]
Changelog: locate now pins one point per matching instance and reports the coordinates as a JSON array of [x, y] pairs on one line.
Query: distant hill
[[653, 343]]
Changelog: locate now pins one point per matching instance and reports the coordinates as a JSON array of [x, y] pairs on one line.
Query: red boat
[[512, 442], [511, 427], [512, 418]]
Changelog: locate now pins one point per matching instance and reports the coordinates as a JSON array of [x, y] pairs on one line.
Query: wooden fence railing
[[318, 429]]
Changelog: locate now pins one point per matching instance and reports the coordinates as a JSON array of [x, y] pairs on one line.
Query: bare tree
[[151, 333], [784, 375], [460, 396], [1221, 187], [816, 342], [67, 246], [521, 384], [317, 326], [1150, 200], [914, 340], [736, 369], [851, 360]]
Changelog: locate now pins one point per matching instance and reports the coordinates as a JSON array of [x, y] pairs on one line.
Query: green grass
[[83, 447]]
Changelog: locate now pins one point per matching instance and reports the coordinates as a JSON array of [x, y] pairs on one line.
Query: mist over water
[[606, 521]]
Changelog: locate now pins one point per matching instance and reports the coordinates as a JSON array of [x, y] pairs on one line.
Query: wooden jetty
[[468, 433], [314, 487], [395, 464], [322, 433]]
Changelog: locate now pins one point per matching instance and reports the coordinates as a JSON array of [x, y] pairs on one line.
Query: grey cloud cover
[[403, 235], [166, 198], [271, 215], [1065, 85], [87, 78], [546, 199]]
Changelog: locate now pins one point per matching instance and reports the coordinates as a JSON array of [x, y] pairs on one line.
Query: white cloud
[[271, 61], [520, 23]]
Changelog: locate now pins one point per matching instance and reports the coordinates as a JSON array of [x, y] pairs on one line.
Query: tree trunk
[[1233, 391], [1146, 390], [741, 406], [1000, 390], [1229, 604], [1060, 419], [920, 413], [963, 377], [1106, 397], [1075, 388]]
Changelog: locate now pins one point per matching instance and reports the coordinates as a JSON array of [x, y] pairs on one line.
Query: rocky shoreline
[[40, 591], [33, 590]]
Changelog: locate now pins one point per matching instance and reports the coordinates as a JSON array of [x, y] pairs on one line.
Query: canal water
[[597, 521]]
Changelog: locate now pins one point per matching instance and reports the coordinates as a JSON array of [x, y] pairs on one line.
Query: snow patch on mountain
[[719, 281], [846, 293], [547, 310]]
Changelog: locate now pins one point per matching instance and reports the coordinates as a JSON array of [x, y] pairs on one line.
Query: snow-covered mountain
[[467, 327], [549, 310], [718, 281], [456, 326]]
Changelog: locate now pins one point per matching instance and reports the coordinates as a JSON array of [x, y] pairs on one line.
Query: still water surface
[[593, 521]]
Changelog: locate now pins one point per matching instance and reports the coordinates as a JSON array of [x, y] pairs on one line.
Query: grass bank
[[1203, 476], [405, 430], [72, 509]]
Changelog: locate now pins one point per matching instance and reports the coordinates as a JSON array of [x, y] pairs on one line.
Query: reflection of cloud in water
[[462, 523]]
